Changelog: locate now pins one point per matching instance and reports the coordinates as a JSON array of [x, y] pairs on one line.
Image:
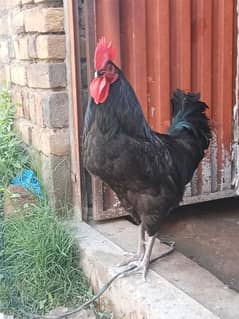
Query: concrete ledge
[[131, 297]]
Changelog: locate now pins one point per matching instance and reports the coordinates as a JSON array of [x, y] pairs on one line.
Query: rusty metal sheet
[[180, 44], [133, 45], [202, 78], [187, 44], [108, 24], [222, 90], [158, 64]]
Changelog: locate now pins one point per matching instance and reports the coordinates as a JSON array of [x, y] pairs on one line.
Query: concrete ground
[[183, 276], [209, 234], [177, 287]]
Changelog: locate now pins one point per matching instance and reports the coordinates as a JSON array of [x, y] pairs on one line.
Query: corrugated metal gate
[[168, 44]]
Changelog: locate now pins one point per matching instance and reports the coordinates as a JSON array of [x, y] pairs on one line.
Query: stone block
[[27, 1], [32, 46], [24, 130], [56, 179], [49, 109], [44, 20], [12, 3], [17, 22], [21, 48], [51, 46], [51, 141], [4, 29], [7, 74], [17, 99], [47, 75], [35, 106], [20, 97], [11, 49], [26, 103], [18, 74], [56, 110], [4, 76], [4, 51]]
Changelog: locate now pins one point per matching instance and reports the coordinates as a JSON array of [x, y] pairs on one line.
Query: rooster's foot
[[131, 259], [137, 267]]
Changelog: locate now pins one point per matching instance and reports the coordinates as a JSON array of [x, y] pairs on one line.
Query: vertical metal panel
[[107, 23], [201, 49], [222, 88], [133, 43], [186, 44], [180, 44], [202, 77], [157, 14]]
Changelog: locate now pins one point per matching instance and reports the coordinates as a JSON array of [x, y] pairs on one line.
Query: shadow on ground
[[208, 233]]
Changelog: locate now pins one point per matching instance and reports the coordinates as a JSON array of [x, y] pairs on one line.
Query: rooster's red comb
[[103, 53]]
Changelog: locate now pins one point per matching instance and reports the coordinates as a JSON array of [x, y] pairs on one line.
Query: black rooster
[[148, 171]]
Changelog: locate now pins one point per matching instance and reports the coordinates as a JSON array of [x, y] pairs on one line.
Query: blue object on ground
[[28, 179]]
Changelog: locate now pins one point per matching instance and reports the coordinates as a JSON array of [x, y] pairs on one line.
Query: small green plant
[[39, 269], [13, 155]]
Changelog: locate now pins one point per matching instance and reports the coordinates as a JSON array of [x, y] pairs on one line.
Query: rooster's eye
[[110, 68], [100, 72]]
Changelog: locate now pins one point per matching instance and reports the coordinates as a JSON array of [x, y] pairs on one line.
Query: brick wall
[[32, 63]]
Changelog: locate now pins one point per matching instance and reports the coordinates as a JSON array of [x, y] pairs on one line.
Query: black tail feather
[[189, 114]]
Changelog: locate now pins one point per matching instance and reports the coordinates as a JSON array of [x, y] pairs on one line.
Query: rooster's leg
[[129, 258], [142, 265]]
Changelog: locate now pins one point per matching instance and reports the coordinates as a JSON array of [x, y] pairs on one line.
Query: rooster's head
[[106, 72]]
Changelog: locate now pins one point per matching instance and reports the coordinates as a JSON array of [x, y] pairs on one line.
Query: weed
[[13, 155], [40, 266]]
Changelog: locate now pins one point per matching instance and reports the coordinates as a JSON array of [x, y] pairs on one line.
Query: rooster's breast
[[107, 158]]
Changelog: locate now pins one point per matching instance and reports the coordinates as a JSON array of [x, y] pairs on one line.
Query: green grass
[[40, 265], [39, 261]]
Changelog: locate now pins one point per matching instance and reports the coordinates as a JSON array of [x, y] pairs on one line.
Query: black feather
[[189, 114], [147, 170]]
